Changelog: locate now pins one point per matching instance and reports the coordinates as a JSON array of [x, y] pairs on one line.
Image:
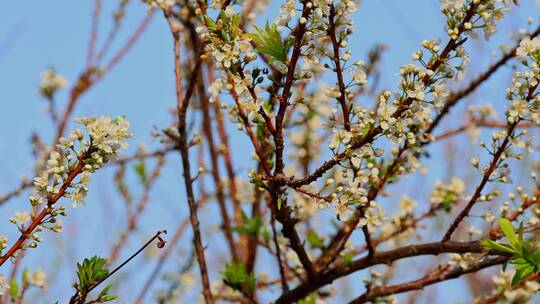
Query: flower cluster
[[489, 12], [444, 196], [77, 156], [525, 102], [106, 135], [529, 47], [51, 82], [3, 285], [163, 4], [227, 43], [348, 192], [462, 261], [505, 293], [374, 216], [402, 225]]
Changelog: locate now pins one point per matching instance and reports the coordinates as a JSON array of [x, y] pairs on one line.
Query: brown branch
[[386, 257], [118, 17], [207, 130], [473, 85], [427, 280], [374, 132], [158, 153], [93, 32], [182, 106], [487, 174], [499, 295], [25, 184], [492, 166], [284, 284], [171, 246], [338, 69], [224, 151], [341, 237], [480, 123], [249, 129], [286, 94], [496, 231]]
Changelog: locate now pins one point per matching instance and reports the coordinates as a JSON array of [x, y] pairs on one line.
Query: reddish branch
[[282, 212], [343, 235], [133, 219], [338, 241], [225, 153], [118, 17], [487, 174], [212, 149], [92, 74], [496, 231], [38, 220], [249, 128], [130, 42]]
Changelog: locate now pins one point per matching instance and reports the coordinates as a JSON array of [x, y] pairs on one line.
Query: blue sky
[[55, 33]]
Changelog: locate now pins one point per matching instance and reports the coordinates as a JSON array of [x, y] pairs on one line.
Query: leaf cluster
[[524, 256], [91, 273], [226, 28], [269, 42], [235, 275]]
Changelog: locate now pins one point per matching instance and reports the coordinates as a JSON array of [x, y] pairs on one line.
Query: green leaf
[[314, 240], [521, 274], [489, 244], [509, 232], [520, 232], [308, 300], [108, 298], [140, 169], [269, 42], [235, 275], [91, 271], [251, 283], [105, 291], [13, 289], [535, 258], [265, 235], [212, 26], [279, 202], [25, 276], [251, 226], [348, 258]]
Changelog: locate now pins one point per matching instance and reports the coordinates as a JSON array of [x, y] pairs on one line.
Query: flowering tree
[[319, 213]]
